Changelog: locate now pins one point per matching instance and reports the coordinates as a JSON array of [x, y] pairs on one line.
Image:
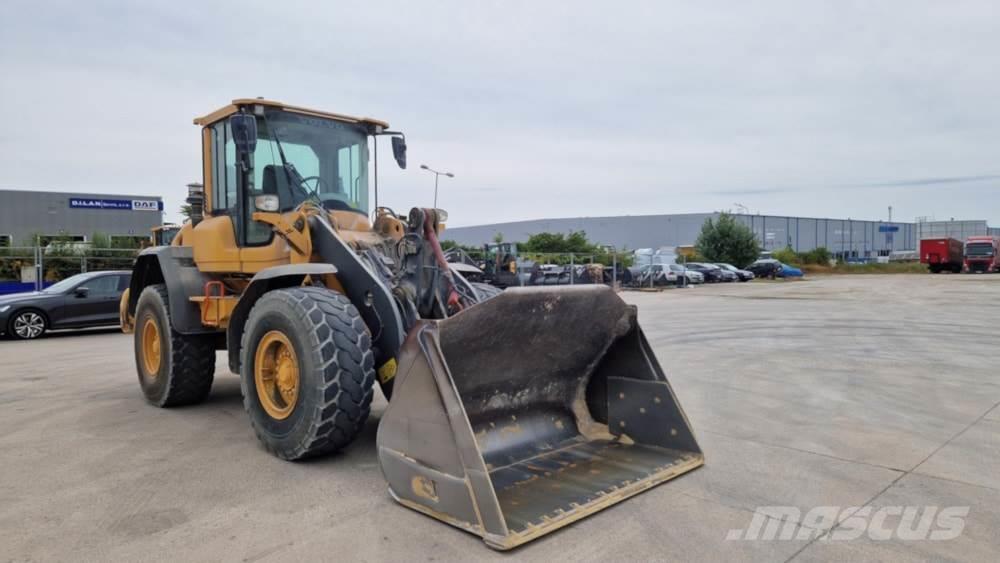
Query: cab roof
[[232, 108]]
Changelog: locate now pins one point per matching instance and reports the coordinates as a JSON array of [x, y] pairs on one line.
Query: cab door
[[214, 238]]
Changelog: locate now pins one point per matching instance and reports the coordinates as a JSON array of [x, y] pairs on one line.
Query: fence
[[617, 269], [32, 268]]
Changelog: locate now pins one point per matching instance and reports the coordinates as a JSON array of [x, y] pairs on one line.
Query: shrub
[[727, 240]]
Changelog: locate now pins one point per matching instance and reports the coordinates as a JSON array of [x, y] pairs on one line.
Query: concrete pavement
[[849, 391]]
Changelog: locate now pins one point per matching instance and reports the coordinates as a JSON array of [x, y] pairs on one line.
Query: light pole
[[436, 176], [743, 207]]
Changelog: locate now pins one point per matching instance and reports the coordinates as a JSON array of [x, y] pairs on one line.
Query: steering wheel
[[319, 183]]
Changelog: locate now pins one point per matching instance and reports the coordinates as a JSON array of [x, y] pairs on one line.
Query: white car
[[652, 275], [691, 277]]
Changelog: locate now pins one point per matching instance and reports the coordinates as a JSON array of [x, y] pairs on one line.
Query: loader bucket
[[529, 411]]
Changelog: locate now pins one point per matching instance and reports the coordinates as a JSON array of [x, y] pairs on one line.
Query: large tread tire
[[336, 370], [485, 290], [187, 363]]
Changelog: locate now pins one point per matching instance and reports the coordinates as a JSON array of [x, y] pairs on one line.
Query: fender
[[276, 277], [182, 278]]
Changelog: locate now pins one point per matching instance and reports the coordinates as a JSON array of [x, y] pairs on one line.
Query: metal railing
[[27, 268]]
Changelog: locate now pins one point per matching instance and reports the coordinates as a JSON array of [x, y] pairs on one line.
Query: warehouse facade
[[25, 215], [845, 238]]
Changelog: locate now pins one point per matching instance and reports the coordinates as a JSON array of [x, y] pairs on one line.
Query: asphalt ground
[[839, 391]]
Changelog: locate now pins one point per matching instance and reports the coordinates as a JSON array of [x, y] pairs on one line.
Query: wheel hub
[[151, 348], [29, 325], [276, 375]]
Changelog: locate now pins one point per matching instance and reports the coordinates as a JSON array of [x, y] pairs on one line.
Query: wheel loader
[[510, 415]]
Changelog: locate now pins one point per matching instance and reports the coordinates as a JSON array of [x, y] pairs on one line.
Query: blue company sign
[[888, 228], [126, 204]]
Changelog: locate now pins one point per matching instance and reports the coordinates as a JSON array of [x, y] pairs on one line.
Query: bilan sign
[[123, 204]]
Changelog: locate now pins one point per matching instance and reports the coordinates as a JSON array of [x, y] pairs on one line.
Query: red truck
[[981, 254], [942, 254]]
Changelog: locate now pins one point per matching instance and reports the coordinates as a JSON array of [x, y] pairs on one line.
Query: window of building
[[6, 241], [45, 240], [127, 241]]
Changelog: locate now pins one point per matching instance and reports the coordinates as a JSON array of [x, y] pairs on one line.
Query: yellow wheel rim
[[276, 375], [151, 347]]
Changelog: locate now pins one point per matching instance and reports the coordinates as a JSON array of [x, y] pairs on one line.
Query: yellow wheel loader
[[511, 413]]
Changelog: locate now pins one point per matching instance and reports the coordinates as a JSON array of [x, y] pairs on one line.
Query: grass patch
[[890, 268]]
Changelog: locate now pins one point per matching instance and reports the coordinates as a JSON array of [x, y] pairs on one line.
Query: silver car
[[690, 277]]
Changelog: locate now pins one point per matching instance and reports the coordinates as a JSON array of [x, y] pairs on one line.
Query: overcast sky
[[540, 108]]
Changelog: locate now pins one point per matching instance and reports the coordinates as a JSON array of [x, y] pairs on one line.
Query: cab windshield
[[330, 159], [979, 249]]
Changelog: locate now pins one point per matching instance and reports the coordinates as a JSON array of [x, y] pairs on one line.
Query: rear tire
[[322, 404], [174, 369]]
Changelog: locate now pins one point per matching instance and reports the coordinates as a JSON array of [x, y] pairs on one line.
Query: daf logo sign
[[145, 205]]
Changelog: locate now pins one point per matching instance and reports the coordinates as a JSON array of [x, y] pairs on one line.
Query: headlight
[[4, 308]]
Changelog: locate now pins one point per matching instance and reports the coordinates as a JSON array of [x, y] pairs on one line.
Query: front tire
[[28, 325], [307, 371], [174, 369]]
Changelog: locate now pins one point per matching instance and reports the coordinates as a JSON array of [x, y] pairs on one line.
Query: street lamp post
[[436, 176]]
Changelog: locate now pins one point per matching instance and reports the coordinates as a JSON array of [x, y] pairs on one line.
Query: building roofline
[[665, 215], [79, 194]]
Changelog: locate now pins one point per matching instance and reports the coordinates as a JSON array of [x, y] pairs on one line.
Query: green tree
[[727, 240], [185, 210], [498, 238], [575, 241], [448, 244]]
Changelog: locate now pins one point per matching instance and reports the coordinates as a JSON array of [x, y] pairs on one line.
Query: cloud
[[541, 109]]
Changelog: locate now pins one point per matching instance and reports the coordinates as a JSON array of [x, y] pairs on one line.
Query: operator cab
[[262, 155], [299, 155]]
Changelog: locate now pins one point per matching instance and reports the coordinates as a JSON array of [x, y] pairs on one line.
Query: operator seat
[[275, 182]]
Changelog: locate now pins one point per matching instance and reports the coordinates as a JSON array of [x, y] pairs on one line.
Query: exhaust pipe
[[529, 411], [196, 199]]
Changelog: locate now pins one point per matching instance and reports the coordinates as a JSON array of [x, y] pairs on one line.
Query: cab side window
[[224, 186], [223, 169]]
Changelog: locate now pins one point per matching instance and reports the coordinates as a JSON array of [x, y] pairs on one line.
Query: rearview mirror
[[399, 151], [81, 292], [244, 130]]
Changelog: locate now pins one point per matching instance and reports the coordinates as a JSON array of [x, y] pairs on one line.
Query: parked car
[[766, 268], [652, 275], [742, 275], [727, 276], [771, 268], [711, 272], [83, 300], [790, 271], [690, 277]]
